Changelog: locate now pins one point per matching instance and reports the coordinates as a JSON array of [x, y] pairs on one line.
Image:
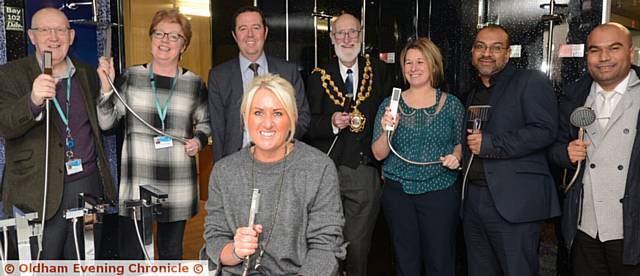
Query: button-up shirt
[[247, 77]]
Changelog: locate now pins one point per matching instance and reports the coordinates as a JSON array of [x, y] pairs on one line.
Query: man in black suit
[[228, 81], [509, 190], [345, 131]]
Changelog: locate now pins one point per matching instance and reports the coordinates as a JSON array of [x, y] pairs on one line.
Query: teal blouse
[[422, 135]]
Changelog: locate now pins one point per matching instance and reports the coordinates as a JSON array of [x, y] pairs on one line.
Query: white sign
[[14, 18], [516, 51], [571, 50]]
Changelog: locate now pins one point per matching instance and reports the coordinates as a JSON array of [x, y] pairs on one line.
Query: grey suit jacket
[[225, 97], [607, 165]]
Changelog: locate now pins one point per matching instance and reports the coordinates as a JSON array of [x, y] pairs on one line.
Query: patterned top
[[422, 136], [169, 169]]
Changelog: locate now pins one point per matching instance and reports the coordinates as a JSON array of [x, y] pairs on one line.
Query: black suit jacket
[[225, 97], [349, 146], [574, 96], [522, 124]]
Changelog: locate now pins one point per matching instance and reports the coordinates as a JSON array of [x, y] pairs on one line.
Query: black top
[[476, 172]]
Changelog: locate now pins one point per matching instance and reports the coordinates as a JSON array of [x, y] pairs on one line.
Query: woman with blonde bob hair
[[282, 89], [298, 228], [420, 202]]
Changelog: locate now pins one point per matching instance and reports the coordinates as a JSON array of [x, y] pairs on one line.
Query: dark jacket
[[225, 96], [574, 96], [523, 122], [23, 182], [350, 148]]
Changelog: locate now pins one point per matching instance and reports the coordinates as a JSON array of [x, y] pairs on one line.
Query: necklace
[[358, 119], [410, 118], [258, 266]]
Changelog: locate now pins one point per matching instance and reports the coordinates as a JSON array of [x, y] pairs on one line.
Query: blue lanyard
[[64, 116], [162, 111]]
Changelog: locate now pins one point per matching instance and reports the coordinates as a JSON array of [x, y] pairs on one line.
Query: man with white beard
[[342, 126]]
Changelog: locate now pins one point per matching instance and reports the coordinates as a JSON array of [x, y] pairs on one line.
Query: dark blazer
[[225, 97], [23, 182], [349, 146], [522, 123], [574, 96]]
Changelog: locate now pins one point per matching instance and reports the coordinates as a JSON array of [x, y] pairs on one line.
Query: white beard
[[347, 57]]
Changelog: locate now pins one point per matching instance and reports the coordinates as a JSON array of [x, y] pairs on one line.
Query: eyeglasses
[[48, 30], [494, 49], [173, 37], [352, 33]]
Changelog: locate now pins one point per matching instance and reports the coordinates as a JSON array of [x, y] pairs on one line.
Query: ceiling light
[[194, 7]]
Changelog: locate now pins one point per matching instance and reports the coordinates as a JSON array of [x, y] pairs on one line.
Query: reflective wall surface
[[299, 31]]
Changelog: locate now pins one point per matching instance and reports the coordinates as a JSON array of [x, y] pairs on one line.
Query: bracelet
[[233, 253]]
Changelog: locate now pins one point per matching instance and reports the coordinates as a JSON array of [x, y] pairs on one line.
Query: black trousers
[[591, 257], [360, 192], [168, 240], [423, 229], [494, 245], [58, 242]]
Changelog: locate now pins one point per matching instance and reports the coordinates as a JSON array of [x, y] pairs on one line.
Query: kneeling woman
[[298, 228]]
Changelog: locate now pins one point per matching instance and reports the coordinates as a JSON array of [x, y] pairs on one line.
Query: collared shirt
[[247, 77], [343, 73], [606, 167], [617, 93], [79, 124], [247, 73], [354, 76], [71, 70]]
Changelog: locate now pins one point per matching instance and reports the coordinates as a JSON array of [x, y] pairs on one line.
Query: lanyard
[[64, 116], [162, 111]]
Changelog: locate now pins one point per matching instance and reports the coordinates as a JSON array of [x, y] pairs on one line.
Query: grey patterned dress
[[169, 169]]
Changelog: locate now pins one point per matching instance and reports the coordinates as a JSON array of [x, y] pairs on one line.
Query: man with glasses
[[77, 162], [509, 188], [345, 132], [228, 81]]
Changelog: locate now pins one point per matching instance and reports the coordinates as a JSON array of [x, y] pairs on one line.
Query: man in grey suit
[[228, 81], [600, 220]]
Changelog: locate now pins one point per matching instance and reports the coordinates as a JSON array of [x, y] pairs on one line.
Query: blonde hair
[[431, 53], [282, 89]]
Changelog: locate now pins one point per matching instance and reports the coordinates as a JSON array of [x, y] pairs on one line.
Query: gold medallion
[[356, 124]]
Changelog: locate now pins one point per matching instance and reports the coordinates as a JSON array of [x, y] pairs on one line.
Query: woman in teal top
[[420, 202]]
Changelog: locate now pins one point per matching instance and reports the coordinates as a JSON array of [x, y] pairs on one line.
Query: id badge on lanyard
[[161, 142], [73, 165]]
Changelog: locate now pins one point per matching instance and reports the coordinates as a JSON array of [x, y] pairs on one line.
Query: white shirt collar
[[343, 70], [621, 88]]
